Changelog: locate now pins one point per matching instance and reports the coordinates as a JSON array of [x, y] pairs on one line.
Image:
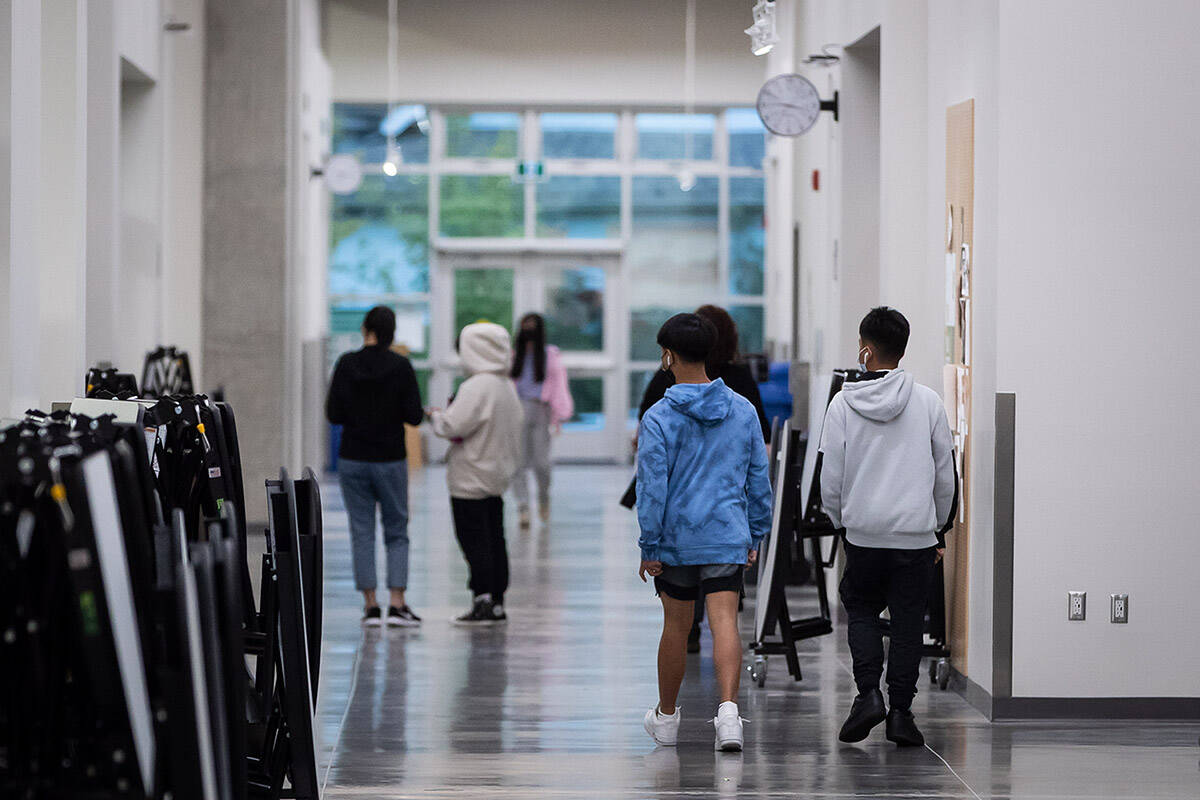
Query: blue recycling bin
[[776, 395]]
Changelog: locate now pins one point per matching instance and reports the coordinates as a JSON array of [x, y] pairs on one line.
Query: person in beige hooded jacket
[[484, 424]]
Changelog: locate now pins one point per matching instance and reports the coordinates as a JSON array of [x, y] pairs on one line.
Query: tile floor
[[551, 705]]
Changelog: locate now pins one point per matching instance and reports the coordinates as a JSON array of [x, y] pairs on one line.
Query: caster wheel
[[943, 673], [758, 671]]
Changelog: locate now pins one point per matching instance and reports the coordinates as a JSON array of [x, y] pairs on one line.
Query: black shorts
[[693, 581]]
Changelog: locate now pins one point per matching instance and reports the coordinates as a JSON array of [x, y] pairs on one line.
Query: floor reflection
[[551, 704]]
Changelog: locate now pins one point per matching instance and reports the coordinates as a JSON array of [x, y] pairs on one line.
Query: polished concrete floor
[[551, 705]]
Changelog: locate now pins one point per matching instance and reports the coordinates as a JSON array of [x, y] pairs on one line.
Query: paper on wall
[[951, 304], [950, 394]]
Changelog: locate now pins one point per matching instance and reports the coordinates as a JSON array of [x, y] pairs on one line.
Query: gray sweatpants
[[535, 453]]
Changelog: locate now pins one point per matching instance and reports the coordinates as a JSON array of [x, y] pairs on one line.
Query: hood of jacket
[[371, 365], [485, 347], [881, 399], [708, 403]]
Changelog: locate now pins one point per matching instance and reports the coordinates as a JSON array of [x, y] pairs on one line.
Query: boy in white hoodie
[[484, 422], [887, 477]]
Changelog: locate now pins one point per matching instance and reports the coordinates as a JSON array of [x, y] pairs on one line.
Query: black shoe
[[902, 729], [402, 618], [484, 612], [372, 617], [867, 712], [693, 645]]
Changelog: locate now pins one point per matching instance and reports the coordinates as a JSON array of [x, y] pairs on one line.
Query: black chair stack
[[135, 661]]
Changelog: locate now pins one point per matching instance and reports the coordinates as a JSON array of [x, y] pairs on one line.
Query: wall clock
[[789, 105]]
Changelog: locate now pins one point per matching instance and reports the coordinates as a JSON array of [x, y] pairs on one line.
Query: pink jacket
[[556, 393]]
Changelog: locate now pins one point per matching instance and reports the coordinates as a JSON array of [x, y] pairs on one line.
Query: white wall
[[544, 51], [88, 192], [1082, 263], [1097, 318]]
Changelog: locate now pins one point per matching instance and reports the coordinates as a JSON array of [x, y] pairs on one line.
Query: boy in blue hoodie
[[887, 477], [704, 505]]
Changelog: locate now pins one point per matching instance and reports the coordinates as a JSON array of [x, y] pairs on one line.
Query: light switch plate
[[1120, 608], [1076, 605]]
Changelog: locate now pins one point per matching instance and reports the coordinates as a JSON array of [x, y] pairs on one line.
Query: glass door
[[575, 293]]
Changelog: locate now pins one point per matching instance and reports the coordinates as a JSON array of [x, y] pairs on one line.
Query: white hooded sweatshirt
[[887, 469], [485, 418]]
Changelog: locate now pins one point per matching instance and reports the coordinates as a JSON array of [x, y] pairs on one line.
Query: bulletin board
[[959, 262]]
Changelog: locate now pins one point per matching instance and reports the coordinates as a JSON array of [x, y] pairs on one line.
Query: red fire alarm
[[816, 180]]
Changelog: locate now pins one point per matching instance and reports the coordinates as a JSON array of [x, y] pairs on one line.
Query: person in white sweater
[[887, 477], [484, 424]]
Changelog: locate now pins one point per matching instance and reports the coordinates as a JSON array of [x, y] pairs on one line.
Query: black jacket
[[373, 393], [736, 377]]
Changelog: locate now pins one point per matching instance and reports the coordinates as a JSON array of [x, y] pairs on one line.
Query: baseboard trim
[[978, 697], [1010, 709]]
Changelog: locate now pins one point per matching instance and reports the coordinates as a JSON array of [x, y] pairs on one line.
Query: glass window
[[379, 237], [423, 384], [751, 320], [481, 205], [488, 134], [575, 308], [579, 207], [672, 255], [747, 138], [747, 235], [588, 394], [638, 381], [361, 129], [577, 135], [483, 294], [643, 330], [672, 136], [412, 325]]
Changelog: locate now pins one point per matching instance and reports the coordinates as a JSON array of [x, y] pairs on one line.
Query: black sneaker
[[867, 712], [484, 612], [372, 617], [402, 618], [902, 729]]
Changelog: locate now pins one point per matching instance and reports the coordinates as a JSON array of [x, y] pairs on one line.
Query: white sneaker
[[729, 728], [663, 730]]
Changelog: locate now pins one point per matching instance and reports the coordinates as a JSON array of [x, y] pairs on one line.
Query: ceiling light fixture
[[392, 165], [687, 178], [762, 33]]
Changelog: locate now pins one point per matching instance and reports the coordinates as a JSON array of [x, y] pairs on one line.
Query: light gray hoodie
[[485, 418], [887, 469]]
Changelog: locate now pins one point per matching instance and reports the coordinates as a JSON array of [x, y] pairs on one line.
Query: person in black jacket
[[723, 363], [372, 395]]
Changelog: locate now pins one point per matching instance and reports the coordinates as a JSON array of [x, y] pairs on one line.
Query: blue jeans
[[366, 484]]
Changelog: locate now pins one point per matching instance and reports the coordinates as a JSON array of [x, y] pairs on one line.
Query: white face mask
[[862, 363]]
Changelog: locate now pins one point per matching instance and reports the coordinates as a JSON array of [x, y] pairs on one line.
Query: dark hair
[[725, 349], [381, 321], [886, 330], [689, 336], [538, 337]]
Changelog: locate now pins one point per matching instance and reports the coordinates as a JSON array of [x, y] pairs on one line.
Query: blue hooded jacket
[[703, 490]]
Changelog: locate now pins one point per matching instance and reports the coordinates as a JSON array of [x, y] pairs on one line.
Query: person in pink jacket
[[541, 381]]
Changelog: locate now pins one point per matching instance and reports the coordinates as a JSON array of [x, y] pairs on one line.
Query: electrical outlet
[[1076, 605], [1120, 607]]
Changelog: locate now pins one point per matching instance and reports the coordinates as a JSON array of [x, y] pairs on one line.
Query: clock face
[[788, 105]]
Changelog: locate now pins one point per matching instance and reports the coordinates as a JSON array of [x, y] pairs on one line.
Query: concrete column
[[246, 270]]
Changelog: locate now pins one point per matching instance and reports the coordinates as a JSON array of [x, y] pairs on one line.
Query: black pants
[[479, 525], [878, 578]]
